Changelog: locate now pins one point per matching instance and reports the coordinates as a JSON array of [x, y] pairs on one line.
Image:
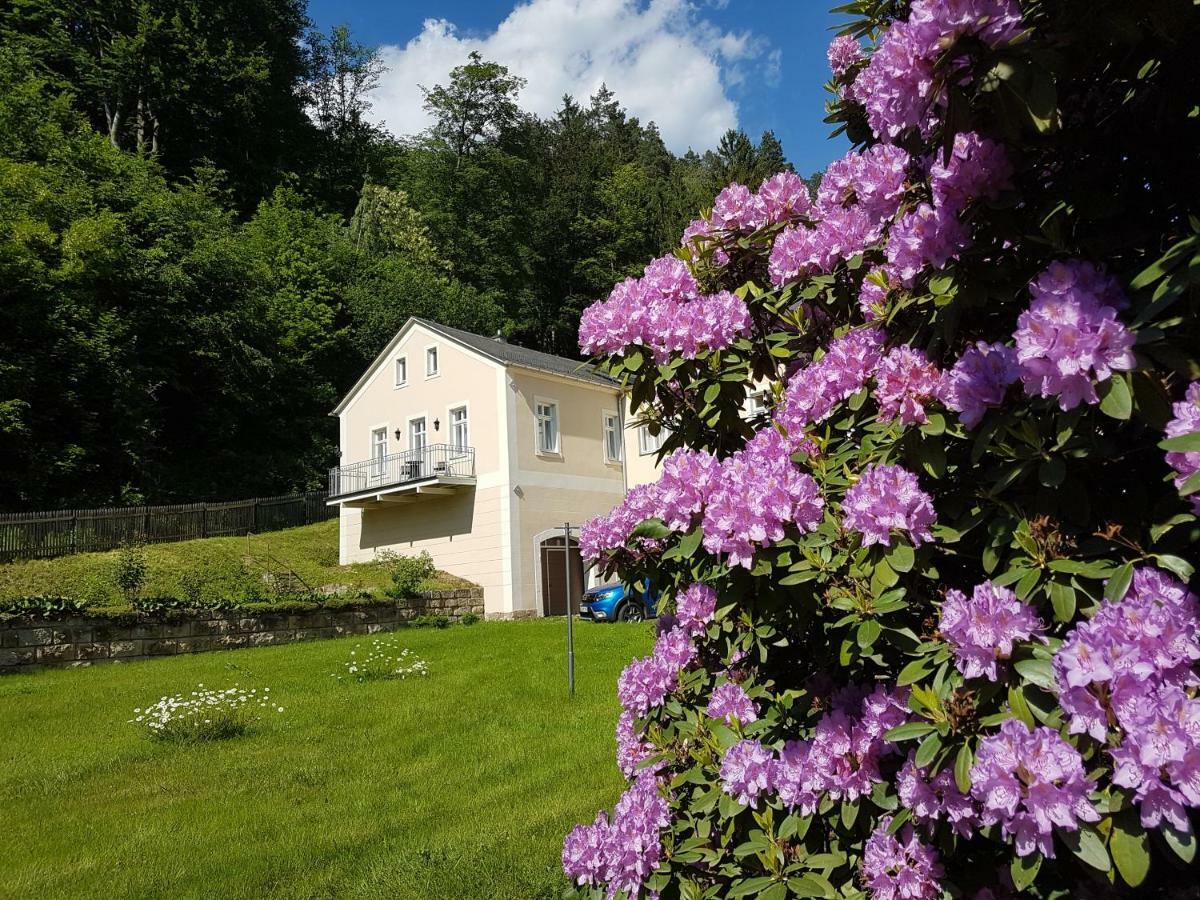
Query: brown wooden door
[[555, 594]]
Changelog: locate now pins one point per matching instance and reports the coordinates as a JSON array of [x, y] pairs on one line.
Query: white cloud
[[662, 59]]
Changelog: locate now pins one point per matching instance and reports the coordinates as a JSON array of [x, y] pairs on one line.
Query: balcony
[[438, 469]]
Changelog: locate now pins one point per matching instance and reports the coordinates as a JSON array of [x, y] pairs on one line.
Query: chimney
[[499, 338]]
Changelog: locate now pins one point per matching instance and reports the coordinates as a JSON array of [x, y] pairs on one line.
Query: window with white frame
[[612, 437], [459, 434], [756, 403], [431, 361], [416, 434], [546, 414], [650, 443], [401, 371], [379, 449]]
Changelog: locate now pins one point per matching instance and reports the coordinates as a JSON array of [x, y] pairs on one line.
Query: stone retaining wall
[[28, 643]]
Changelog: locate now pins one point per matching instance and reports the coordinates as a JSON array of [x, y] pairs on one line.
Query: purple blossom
[[696, 607], [1186, 463], [784, 197], [747, 772], [841, 233], [872, 181], [904, 382], [759, 494], [1128, 668], [978, 168], [737, 209], [1030, 782], [873, 294], [729, 700], [900, 868], [844, 51], [813, 393], [925, 236], [1070, 335], [888, 497], [932, 800], [631, 748], [674, 649], [645, 683], [699, 235], [981, 629], [979, 380], [622, 853]]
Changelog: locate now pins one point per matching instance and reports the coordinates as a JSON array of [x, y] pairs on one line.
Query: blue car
[[612, 603]]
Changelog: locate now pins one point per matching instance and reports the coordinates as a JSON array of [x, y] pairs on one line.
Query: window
[[379, 438], [431, 361], [649, 443], [756, 403], [546, 413], [416, 434], [459, 435], [612, 437], [401, 371]]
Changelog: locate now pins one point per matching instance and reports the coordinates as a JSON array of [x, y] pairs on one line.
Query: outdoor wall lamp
[[399, 434], [436, 424]]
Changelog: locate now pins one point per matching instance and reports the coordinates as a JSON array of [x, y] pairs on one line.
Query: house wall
[[639, 469], [550, 489]]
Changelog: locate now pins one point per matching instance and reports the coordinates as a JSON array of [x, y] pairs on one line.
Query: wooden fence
[[59, 532]]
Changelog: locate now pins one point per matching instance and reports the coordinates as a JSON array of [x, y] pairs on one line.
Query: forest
[[204, 237]]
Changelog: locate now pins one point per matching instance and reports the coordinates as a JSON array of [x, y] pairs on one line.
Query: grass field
[[461, 784], [310, 551]]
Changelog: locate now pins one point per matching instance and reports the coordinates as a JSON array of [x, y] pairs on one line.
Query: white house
[[479, 451]]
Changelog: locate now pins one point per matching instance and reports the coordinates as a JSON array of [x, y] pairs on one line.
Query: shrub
[[468, 618], [408, 573], [130, 571], [43, 606], [931, 631], [384, 659], [427, 621], [205, 714]]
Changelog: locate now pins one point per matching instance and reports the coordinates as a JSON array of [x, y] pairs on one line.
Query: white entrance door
[[416, 448], [378, 452]]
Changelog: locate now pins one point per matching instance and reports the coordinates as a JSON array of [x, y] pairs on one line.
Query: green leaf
[[914, 671], [1182, 844], [883, 577], [909, 730], [901, 558], [750, 886], [655, 529], [1028, 582], [777, 891], [1190, 486], [1088, 846], [1062, 597], [849, 813], [868, 632], [1179, 566], [1130, 847], [691, 541], [810, 884], [712, 392], [1118, 584], [1024, 869], [1019, 706], [1036, 671], [928, 749], [1185, 443], [962, 767], [1117, 401]]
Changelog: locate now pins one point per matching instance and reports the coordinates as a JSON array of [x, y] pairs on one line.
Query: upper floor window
[[756, 403], [546, 415], [401, 371], [612, 437], [650, 443], [431, 361], [459, 436]]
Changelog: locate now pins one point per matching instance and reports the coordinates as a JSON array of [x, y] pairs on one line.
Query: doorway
[[555, 561]]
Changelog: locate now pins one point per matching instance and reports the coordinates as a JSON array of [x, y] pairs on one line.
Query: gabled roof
[[497, 351]]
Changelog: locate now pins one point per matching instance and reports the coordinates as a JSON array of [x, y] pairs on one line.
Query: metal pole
[[570, 630]]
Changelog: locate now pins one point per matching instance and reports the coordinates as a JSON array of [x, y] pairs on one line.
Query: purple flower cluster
[[887, 498], [1030, 782], [900, 868], [747, 771], [623, 853], [736, 210], [677, 498], [1070, 335], [978, 169], [646, 681], [925, 236], [898, 87], [841, 759], [934, 799], [843, 53], [729, 700], [981, 628], [858, 195], [814, 391], [784, 197], [904, 382], [695, 607], [665, 312], [1186, 421], [1129, 667], [873, 293], [631, 748], [979, 380], [760, 492]]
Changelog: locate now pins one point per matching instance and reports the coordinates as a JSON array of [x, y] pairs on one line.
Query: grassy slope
[[311, 551], [458, 785]]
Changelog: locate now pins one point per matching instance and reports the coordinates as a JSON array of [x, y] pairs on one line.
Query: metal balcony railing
[[433, 461]]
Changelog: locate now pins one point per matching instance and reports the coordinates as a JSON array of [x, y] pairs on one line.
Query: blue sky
[[694, 66]]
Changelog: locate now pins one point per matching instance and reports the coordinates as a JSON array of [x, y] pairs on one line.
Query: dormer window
[[431, 362]]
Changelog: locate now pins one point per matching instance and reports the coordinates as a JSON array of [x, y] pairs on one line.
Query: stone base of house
[[512, 616], [27, 643]]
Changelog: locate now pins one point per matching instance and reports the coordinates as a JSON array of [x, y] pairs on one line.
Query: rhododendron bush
[[927, 626]]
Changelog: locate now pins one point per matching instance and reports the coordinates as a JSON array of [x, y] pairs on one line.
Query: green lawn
[[310, 551], [461, 784]]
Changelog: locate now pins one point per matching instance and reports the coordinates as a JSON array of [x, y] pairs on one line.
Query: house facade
[[479, 451]]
